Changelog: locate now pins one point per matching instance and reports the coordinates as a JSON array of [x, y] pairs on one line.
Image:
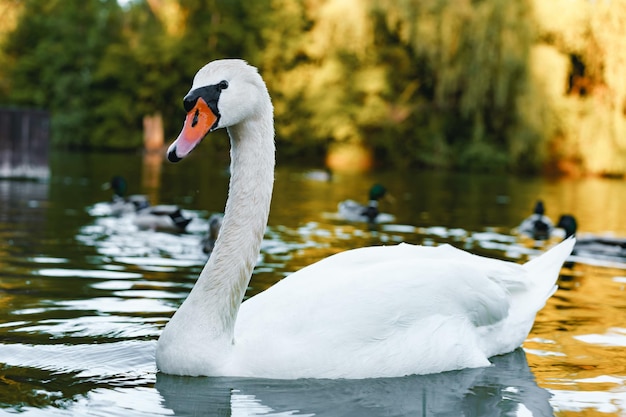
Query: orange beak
[[200, 119]]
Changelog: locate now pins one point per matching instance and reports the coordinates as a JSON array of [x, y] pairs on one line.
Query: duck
[[215, 224], [606, 247], [163, 217], [379, 311], [122, 204], [320, 175], [354, 211], [538, 226]]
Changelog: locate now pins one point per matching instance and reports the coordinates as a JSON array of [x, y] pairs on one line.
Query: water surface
[[83, 296]]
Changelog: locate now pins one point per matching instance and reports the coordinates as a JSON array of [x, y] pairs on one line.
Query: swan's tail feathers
[[543, 271]]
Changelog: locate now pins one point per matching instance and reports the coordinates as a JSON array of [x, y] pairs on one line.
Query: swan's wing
[[408, 279], [423, 303]]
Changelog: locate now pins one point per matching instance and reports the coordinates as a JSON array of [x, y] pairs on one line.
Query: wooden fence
[[24, 143]]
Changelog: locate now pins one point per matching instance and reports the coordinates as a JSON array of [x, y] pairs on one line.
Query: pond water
[[83, 296]]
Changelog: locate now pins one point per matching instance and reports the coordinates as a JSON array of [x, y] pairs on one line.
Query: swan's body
[[537, 226], [370, 312]]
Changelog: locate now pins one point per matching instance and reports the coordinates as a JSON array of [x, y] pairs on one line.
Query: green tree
[[470, 61], [55, 52], [488, 85]]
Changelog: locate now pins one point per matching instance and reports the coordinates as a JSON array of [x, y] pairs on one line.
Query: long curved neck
[[206, 319], [215, 299]]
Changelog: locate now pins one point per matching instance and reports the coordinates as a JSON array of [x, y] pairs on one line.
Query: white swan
[[370, 312]]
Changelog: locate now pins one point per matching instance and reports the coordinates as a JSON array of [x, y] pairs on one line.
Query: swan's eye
[[189, 103], [223, 85]]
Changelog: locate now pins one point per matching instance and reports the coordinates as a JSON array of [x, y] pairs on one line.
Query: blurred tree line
[[489, 85]]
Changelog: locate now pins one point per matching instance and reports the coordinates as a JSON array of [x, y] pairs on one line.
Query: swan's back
[[393, 311]]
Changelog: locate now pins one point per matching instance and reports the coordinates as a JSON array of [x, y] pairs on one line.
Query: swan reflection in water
[[507, 388]]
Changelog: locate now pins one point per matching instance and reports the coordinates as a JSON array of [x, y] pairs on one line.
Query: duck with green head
[[601, 247], [353, 211], [122, 204], [169, 218]]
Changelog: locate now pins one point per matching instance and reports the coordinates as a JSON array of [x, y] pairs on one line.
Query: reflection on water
[[506, 389], [83, 297]]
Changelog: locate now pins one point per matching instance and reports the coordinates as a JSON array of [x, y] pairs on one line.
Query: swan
[[353, 211], [537, 226], [382, 311]]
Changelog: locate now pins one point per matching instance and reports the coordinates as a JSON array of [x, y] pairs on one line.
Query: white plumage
[[370, 312]]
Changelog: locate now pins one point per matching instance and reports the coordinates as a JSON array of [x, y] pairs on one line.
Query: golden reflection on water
[[579, 339], [151, 173], [599, 203]]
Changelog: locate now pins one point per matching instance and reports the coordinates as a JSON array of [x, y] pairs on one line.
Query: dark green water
[[84, 297]]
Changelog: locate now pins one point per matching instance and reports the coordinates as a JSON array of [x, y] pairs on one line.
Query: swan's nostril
[[194, 122]]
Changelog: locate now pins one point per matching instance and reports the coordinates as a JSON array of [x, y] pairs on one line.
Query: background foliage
[[491, 85]]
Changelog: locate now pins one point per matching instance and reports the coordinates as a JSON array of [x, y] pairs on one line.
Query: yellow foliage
[[549, 69], [171, 15], [340, 22], [586, 116], [564, 23], [9, 12]]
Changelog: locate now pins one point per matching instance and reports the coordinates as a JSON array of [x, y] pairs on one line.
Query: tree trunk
[[153, 136]]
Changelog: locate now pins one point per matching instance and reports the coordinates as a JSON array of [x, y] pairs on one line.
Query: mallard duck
[[353, 211], [537, 226], [379, 311], [163, 217], [215, 224], [607, 247], [121, 203]]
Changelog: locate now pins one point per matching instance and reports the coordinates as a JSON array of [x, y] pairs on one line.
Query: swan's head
[[224, 93]]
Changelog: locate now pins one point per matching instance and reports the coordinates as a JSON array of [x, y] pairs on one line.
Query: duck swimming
[[380, 311], [353, 211], [162, 217], [215, 224], [121, 203], [606, 247], [537, 226]]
